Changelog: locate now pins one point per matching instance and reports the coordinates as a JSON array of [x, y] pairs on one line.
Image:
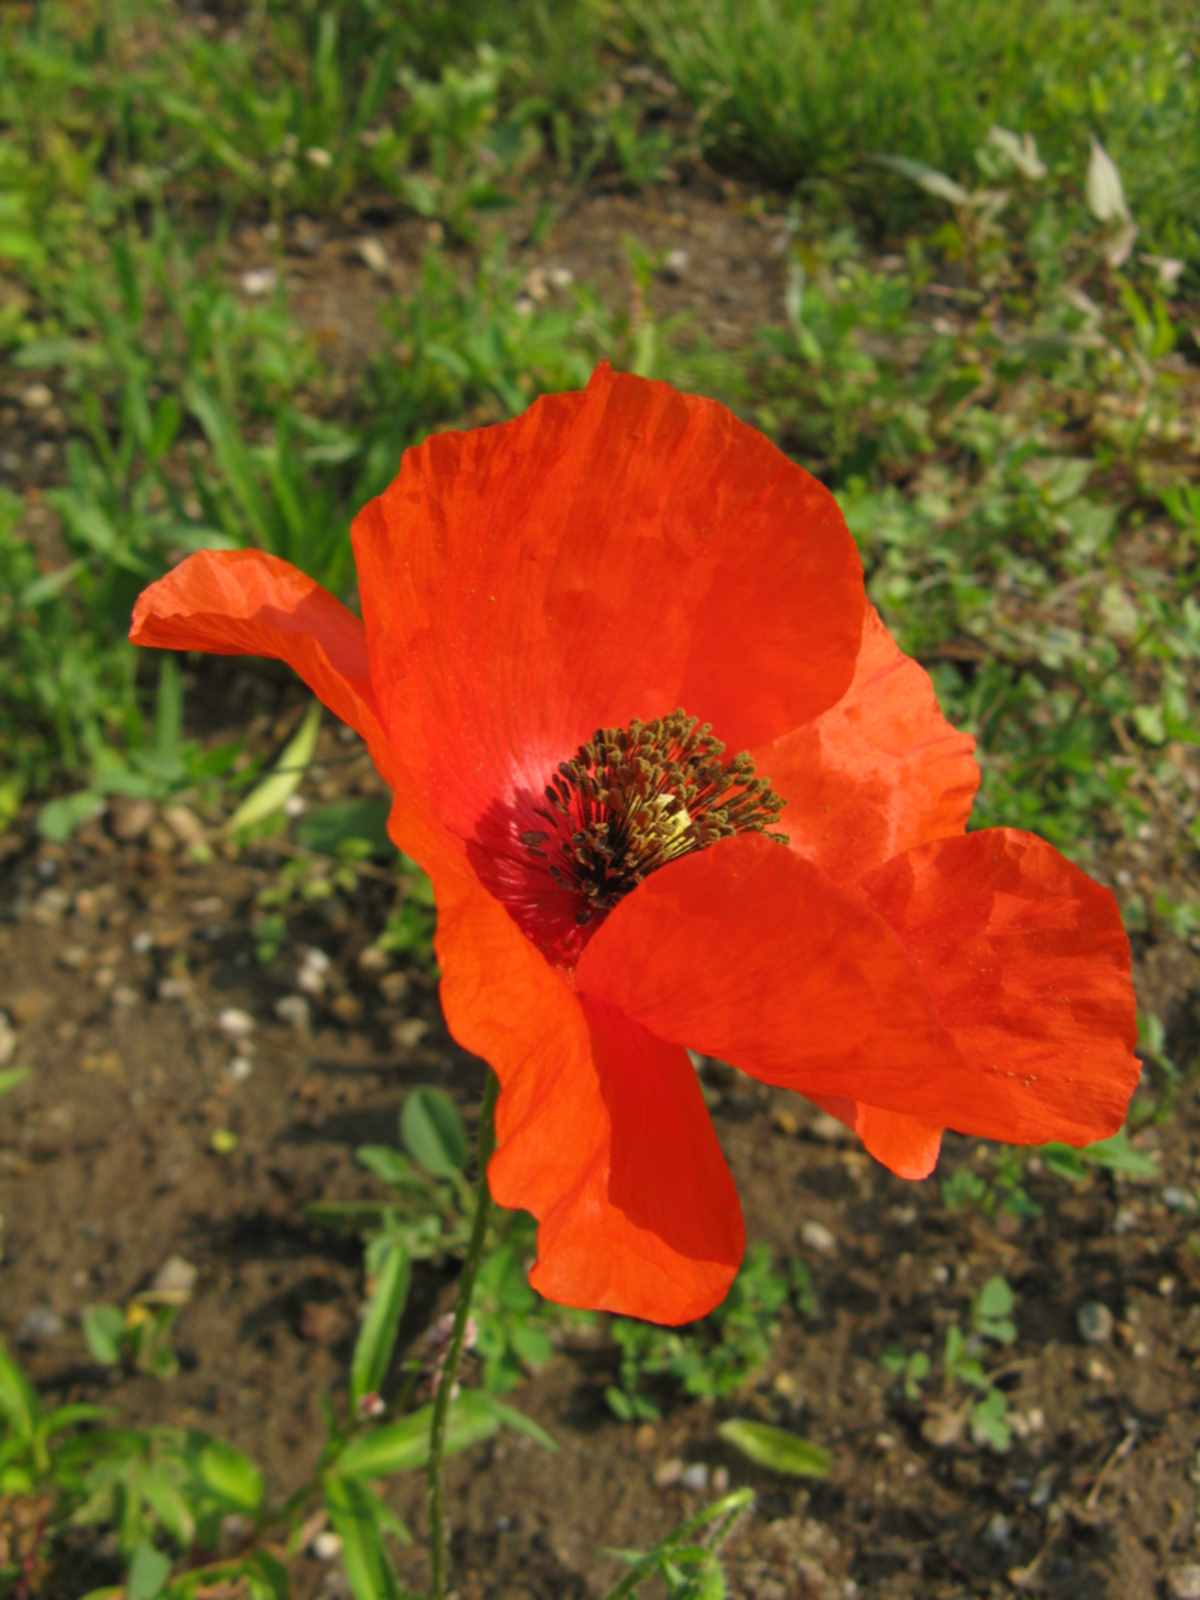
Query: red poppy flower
[[538, 598]]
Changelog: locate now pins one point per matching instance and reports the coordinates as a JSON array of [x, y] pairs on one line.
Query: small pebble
[[828, 1128], [695, 1477], [313, 973], [374, 255], [326, 1546], [184, 824], [50, 906], [1176, 1199], [393, 986], [258, 280], [294, 1010], [675, 264], [240, 1068], [8, 1039], [30, 1006], [410, 1032], [668, 1472], [1095, 1322], [237, 1024], [129, 819], [39, 1325], [175, 1280], [943, 1427], [817, 1236]]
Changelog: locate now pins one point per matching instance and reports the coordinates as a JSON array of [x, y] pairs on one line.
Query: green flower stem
[[462, 1308]]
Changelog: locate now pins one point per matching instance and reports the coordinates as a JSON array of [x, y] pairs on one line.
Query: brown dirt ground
[[117, 958]]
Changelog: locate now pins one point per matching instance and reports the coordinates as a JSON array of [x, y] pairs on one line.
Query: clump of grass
[[800, 93]]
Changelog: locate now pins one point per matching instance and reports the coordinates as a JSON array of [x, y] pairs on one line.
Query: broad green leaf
[[326, 827], [169, 1506], [1118, 1155], [404, 1446], [104, 1329], [354, 1513], [58, 819], [776, 1448], [273, 793], [391, 1165], [18, 1401], [433, 1133], [227, 1472], [11, 1077], [148, 1571], [381, 1320], [995, 1298]]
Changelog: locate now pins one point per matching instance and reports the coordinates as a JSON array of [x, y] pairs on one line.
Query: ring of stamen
[[632, 799]]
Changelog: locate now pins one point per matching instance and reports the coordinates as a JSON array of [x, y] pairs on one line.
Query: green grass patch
[[805, 94]]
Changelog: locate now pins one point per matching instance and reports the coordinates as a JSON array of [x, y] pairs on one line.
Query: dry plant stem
[[462, 1307]]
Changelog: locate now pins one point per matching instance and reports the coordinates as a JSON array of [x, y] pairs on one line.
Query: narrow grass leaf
[[234, 461], [273, 793], [354, 1513], [18, 1402], [404, 1446], [777, 1449], [381, 1322], [512, 1418]]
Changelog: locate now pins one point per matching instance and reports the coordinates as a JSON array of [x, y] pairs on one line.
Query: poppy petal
[[876, 774], [908, 1147], [985, 988], [612, 553], [248, 603], [745, 951], [601, 1129], [1028, 968]]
